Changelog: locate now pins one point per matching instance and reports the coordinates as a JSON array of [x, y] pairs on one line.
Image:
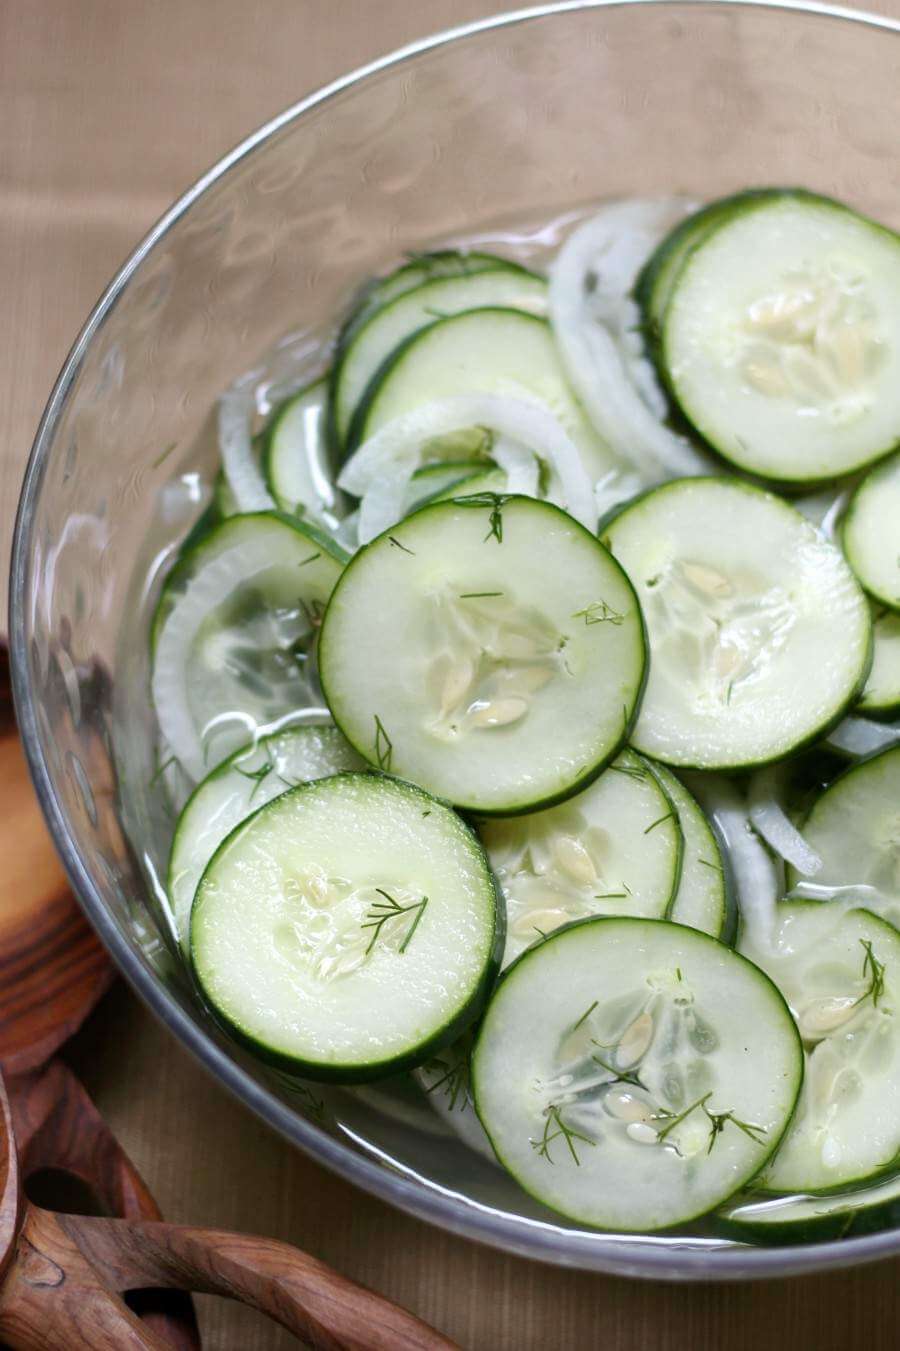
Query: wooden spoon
[[61, 1275], [61, 1278]]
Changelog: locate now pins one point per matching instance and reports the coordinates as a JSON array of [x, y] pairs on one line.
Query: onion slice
[[769, 820], [758, 878], [596, 324], [242, 473], [861, 736], [382, 466]]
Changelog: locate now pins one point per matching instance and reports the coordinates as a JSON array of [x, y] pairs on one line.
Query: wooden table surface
[[108, 109]]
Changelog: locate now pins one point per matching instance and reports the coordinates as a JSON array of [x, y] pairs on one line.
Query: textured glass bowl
[[514, 118]]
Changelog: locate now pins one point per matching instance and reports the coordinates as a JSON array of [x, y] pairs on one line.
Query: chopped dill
[[874, 970], [161, 769], [397, 545], [478, 595], [599, 612], [669, 816], [312, 558], [632, 771], [453, 1082], [384, 911], [706, 863], [164, 455], [384, 747], [257, 775], [584, 1017], [554, 1129], [493, 500]]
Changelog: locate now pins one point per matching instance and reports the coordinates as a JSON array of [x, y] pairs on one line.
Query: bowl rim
[[633, 1255]]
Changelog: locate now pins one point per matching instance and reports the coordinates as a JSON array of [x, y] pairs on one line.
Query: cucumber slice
[[348, 929], [855, 829], [234, 633], [870, 532], [506, 669], [804, 1219], [701, 900], [745, 603], [613, 849], [295, 458], [419, 269], [839, 971], [656, 279], [881, 696], [246, 781], [374, 341], [633, 1074], [438, 482], [495, 351], [781, 338]]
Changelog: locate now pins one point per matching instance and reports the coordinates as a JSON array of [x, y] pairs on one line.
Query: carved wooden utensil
[[61, 1276]]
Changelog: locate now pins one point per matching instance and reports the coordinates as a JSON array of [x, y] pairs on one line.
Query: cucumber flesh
[[839, 971], [374, 342], [744, 601], [701, 900], [854, 828], [781, 338], [295, 458], [881, 695], [506, 670], [348, 929], [870, 532], [613, 849], [494, 351], [235, 632], [632, 1074], [246, 781], [802, 1219], [437, 482]]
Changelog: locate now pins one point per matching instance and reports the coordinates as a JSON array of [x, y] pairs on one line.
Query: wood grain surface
[[108, 109]]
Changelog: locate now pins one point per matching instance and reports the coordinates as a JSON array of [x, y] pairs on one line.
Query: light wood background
[[108, 109]]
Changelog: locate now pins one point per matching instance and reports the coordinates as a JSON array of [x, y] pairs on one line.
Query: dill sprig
[[384, 747], [584, 1017], [161, 769], [453, 1082], [555, 1128], [706, 863], [478, 595], [495, 502], [872, 969], [669, 816], [397, 545], [384, 911], [599, 612], [631, 771], [618, 1076], [312, 558], [257, 775], [717, 1120]]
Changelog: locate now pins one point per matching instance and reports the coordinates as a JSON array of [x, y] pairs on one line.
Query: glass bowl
[[518, 117]]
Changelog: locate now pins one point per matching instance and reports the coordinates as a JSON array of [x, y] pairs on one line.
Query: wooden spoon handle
[[56, 1125], [51, 1300], [327, 1311]]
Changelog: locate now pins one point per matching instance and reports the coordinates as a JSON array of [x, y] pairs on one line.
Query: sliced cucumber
[[854, 827], [633, 1074], [419, 269], [295, 458], [234, 634], [701, 900], [348, 929], [656, 279], [374, 341], [246, 781], [445, 479], [505, 671], [495, 351], [781, 338], [804, 1219], [870, 532], [839, 971], [613, 849], [745, 603], [881, 695]]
